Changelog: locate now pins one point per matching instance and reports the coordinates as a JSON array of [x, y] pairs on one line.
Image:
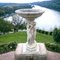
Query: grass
[[17, 37], [20, 37], [44, 38]]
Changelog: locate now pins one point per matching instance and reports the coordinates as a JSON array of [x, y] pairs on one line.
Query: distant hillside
[[54, 4], [8, 8], [15, 4]]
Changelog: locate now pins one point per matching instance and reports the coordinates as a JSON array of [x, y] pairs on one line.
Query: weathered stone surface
[[30, 15], [30, 50], [22, 53]]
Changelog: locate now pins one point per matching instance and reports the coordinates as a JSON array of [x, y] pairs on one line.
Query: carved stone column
[[31, 32], [31, 35]]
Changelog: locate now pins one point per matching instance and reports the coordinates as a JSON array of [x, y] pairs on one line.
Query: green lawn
[[44, 38], [20, 37]]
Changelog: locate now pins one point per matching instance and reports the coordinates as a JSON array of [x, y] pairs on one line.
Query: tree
[[5, 26], [56, 35], [2, 12], [18, 23]]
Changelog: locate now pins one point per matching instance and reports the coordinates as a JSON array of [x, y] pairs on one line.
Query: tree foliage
[[18, 23], [56, 35], [8, 8], [5, 26]]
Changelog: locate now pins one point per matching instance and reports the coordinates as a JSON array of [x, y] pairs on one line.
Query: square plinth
[[22, 54]]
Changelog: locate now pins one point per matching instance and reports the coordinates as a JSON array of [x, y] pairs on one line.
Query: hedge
[[7, 47], [12, 46], [45, 32], [53, 47]]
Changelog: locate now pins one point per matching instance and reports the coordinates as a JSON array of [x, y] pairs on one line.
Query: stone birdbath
[[31, 47]]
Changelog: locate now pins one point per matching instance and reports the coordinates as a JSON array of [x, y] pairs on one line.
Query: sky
[[19, 1]]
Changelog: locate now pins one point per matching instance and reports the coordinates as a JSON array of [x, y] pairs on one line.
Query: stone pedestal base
[[22, 53]]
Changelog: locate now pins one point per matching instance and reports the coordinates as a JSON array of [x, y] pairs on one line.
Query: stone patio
[[10, 56]]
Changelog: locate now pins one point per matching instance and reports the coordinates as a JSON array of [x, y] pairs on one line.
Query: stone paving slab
[[10, 56], [53, 56], [7, 56]]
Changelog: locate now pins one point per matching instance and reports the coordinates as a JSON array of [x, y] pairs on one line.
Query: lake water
[[48, 21]]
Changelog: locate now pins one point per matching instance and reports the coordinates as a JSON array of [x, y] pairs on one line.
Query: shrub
[[38, 30], [43, 31], [3, 48], [46, 32], [53, 47], [12, 46], [7, 47], [56, 35], [50, 33]]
